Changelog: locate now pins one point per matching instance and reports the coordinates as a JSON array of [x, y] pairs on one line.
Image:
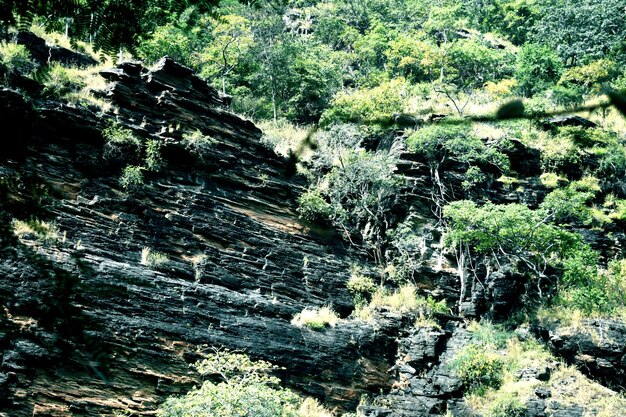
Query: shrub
[[590, 290], [538, 67], [408, 245], [198, 143], [568, 205], [316, 319], [153, 259], [362, 193], [506, 405], [551, 180], [313, 207], [479, 368], [558, 153], [566, 95], [361, 287], [456, 142], [590, 76], [153, 159], [586, 137], [15, 58], [617, 208], [246, 389], [60, 81], [501, 89], [405, 300], [512, 235], [612, 167], [132, 178], [368, 106], [115, 133], [44, 232]]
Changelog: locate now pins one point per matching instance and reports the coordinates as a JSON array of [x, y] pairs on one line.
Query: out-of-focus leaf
[[511, 110], [618, 100]]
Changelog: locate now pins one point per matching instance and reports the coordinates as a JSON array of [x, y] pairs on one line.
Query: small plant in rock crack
[[316, 318], [198, 143], [153, 259], [120, 143], [132, 178], [153, 160]]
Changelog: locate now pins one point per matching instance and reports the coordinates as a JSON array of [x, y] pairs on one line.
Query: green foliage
[[198, 143], [153, 160], [362, 192], [579, 29], [15, 58], [439, 143], [507, 405], [612, 167], [551, 180], [44, 232], [510, 18], [403, 300], [407, 247], [586, 137], [538, 68], [132, 178], [510, 232], [412, 56], [591, 76], [367, 106], [478, 368], [362, 287], [360, 284], [470, 64], [247, 389], [481, 363], [115, 133], [60, 81], [568, 205], [312, 206], [177, 39], [591, 290]]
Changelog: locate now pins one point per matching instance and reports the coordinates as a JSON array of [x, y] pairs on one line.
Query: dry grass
[[153, 259], [310, 407], [284, 136], [41, 231], [316, 318]]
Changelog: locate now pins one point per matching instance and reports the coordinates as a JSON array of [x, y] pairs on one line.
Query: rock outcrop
[[597, 347], [110, 293], [87, 328]]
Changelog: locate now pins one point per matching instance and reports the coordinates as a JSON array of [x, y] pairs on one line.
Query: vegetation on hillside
[[452, 84]]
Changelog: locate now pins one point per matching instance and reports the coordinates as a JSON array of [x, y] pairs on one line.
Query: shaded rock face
[[44, 53], [596, 347], [87, 329], [425, 383]]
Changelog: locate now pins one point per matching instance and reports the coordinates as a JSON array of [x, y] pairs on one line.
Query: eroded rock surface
[[87, 329]]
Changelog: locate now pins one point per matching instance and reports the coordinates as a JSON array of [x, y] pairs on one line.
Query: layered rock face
[[109, 294], [89, 327]]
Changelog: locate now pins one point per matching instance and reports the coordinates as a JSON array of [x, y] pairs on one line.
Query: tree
[[581, 31], [491, 236], [230, 39], [246, 389], [178, 39], [538, 68]]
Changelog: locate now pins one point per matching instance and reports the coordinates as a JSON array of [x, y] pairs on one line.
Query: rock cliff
[[87, 329], [108, 294]]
